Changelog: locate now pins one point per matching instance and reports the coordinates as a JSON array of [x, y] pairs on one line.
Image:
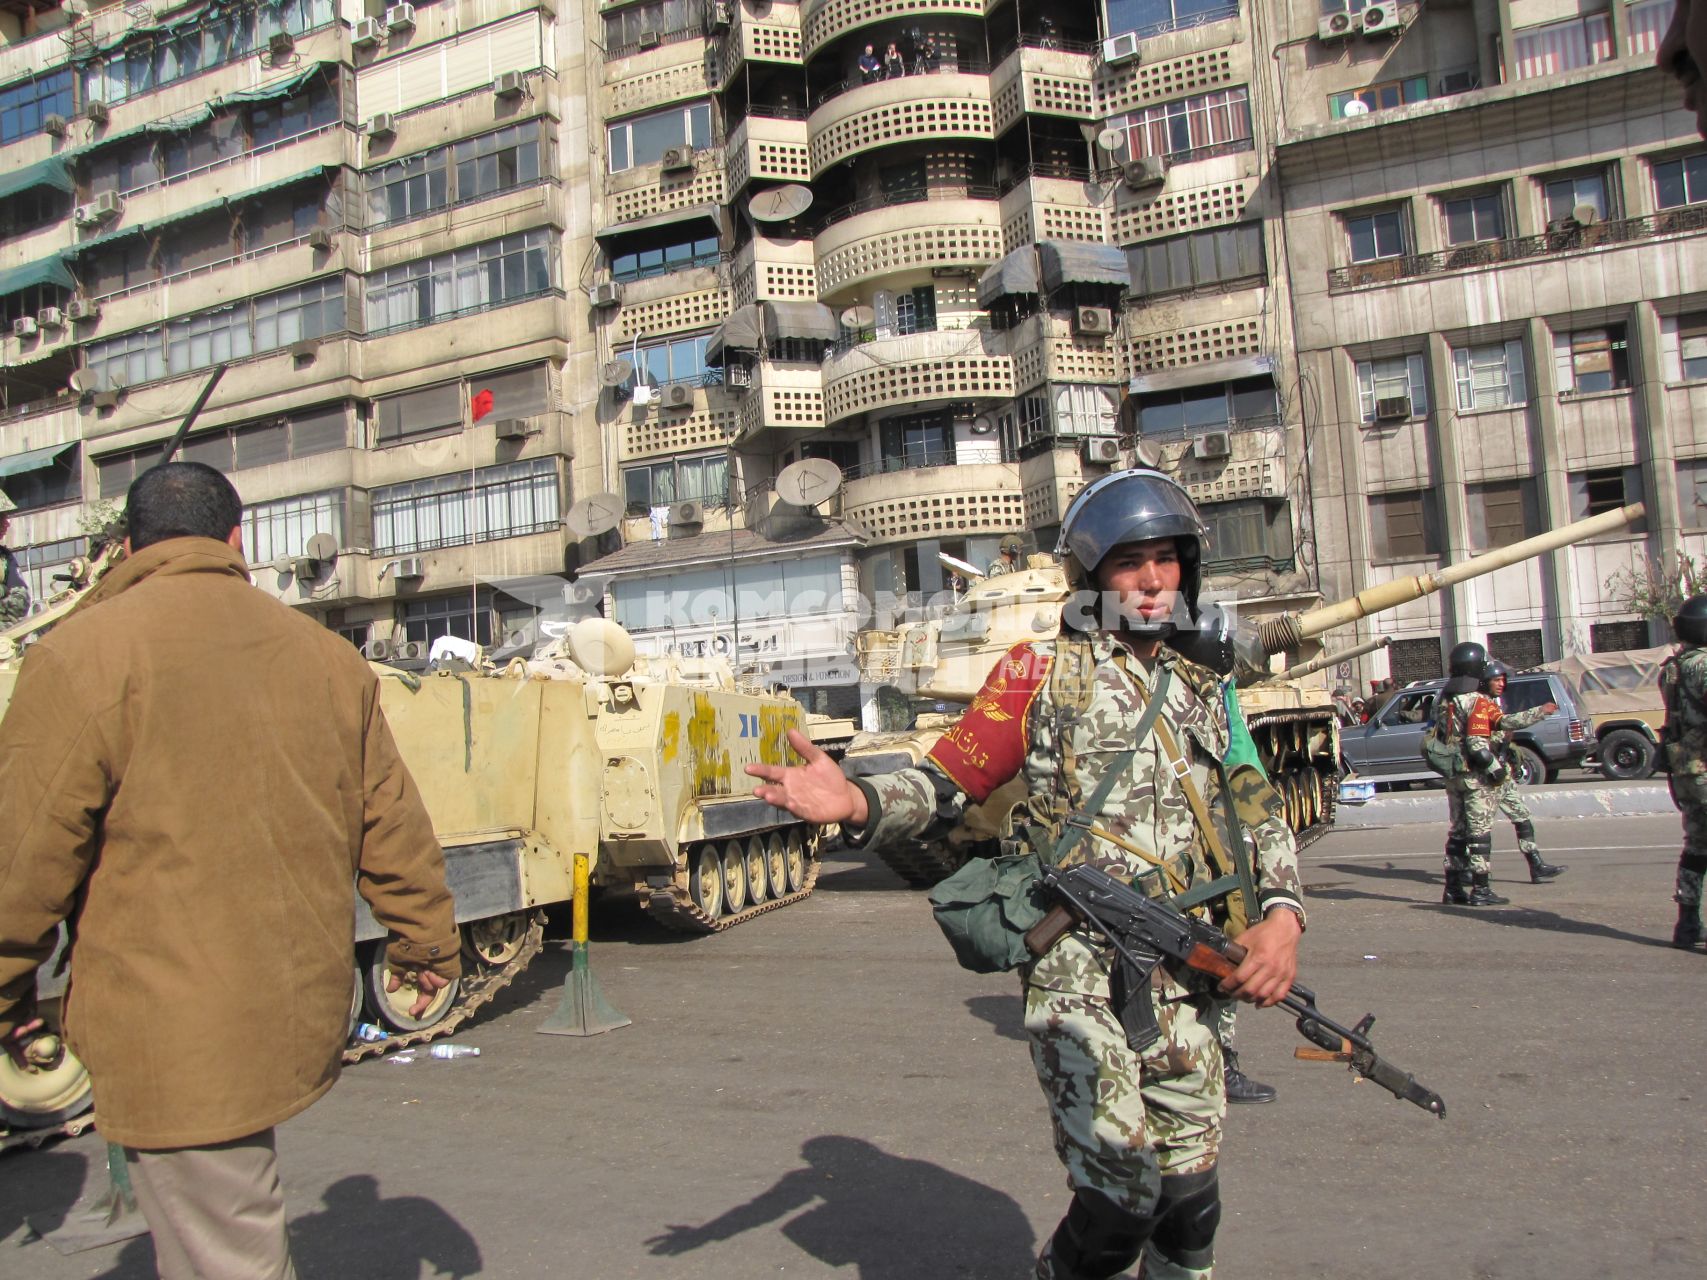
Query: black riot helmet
[[1494, 670], [1468, 659], [1691, 621], [1138, 505]]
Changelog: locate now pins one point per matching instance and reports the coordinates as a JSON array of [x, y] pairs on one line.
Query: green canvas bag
[[985, 908]]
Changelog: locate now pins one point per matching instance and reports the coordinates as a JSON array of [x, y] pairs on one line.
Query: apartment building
[[1494, 217]]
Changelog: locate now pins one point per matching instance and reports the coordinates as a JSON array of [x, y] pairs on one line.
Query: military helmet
[[1137, 505], [1467, 659], [1691, 621], [1494, 670]]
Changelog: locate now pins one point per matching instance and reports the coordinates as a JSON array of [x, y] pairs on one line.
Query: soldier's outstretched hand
[[815, 791]]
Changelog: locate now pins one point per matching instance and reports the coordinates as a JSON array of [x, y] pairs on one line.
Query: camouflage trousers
[[1124, 1119], [1689, 793], [1470, 807]]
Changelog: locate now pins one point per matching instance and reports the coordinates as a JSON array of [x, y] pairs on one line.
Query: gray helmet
[[1691, 621], [1011, 546], [1135, 506], [1468, 659], [1493, 670]]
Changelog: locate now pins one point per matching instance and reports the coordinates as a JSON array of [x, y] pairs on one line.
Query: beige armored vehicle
[[1291, 713]]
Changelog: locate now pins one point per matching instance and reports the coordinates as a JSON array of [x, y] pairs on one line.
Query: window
[[466, 615], [257, 444], [125, 361], [505, 501], [122, 168], [58, 479], [39, 563], [423, 412], [30, 301], [408, 188], [677, 254], [24, 104], [1378, 97], [657, 484], [1190, 127], [1380, 382], [1684, 342], [220, 139], [623, 29], [644, 139], [1490, 376], [115, 471], [1592, 360], [304, 112], [282, 217], [1198, 259], [308, 311], [1377, 234], [915, 310], [1520, 649], [280, 530], [124, 264], [1680, 181], [499, 161], [1648, 21], [197, 242], [1501, 513], [1470, 218], [1557, 47], [1605, 489], [516, 393], [25, 211], [1404, 526], [1409, 660], [359, 634], [1692, 493], [1249, 533], [673, 360], [1565, 195], [1249, 402], [1153, 17], [1083, 409], [465, 280], [1617, 637], [470, 170], [919, 440]]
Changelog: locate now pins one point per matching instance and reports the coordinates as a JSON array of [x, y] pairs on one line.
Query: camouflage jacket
[[1017, 725], [1478, 721], [14, 592], [1683, 685]]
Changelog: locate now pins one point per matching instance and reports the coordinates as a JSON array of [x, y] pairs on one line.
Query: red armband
[[1485, 717], [987, 745]]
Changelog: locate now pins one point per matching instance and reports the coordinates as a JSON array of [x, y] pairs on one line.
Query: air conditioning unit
[[109, 204], [1093, 322], [1212, 444], [676, 395], [1563, 227], [1121, 48], [305, 567], [82, 309], [321, 238], [678, 158], [1144, 172], [400, 17], [1392, 409], [1334, 26], [383, 125], [690, 512], [84, 215], [50, 318], [95, 111], [305, 349], [281, 44], [377, 650], [365, 35], [1381, 19], [410, 567], [608, 294], [54, 125], [512, 428], [412, 651], [649, 40], [1103, 449], [107, 399], [24, 327], [722, 14], [510, 84]]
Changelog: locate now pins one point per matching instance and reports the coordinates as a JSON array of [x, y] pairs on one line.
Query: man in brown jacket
[[196, 777]]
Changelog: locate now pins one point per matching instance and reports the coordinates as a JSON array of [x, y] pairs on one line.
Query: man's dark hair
[[181, 500]]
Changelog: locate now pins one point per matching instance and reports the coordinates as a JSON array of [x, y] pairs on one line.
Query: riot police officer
[[1466, 718], [1507, 799], [1683, 684]]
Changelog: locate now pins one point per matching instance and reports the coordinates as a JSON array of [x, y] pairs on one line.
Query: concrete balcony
[[653, 77], [767, 269], [1049, 482], [647, 190], [1052, 203], [40, 425], [1051, 82], [1195, 329], [494, 336], [216, 285], [956, 230], [823, 21], [676, 303], [890, 111], [766, 146], [916, 369], [539, 204], [1045, 349], [955, 498], [775, 37], [783, 401]]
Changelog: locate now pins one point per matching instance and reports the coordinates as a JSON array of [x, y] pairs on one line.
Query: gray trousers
[[216, 1213]]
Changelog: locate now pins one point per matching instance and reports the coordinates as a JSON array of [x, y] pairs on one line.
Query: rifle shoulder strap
[[1231, 874], [1072, 828]]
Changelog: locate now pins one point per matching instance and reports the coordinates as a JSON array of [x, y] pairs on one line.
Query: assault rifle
[[1146, 932]]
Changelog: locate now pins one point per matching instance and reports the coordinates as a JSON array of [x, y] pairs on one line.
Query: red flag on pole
[[481, 404]]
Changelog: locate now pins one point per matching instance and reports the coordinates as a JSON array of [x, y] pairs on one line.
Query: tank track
[[671, 906], [923, 866], [475, 994]]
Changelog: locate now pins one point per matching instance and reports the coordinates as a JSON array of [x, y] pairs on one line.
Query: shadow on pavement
[[889, 1218], [44, 1185], [1006, 1014]]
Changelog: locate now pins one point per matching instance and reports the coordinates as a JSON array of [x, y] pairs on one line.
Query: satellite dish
[[808, 482], [594, 515], [322, 547], [779, 204], [1355, 107], [1586, 215], [613, 373], [1111, 140], [859, 317], [600, 646], [1147, 453], [79, 381], [960, 566]]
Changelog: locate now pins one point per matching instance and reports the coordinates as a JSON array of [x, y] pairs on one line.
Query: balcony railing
[[208, 268], [1488, 253], [1053, 44], [944, 67], [910, 460], [1254, 422], [663, 38], [968, 191], [1044, 169]]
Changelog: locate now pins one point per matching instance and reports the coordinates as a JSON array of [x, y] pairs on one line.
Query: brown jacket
[[199, 778]]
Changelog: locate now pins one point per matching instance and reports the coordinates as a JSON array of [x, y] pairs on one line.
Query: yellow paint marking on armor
[[672, 737], [709, 760], [774, 723]]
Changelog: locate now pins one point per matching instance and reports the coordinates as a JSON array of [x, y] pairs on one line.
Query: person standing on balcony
[[870, 68], [894, 66], [14, 591]]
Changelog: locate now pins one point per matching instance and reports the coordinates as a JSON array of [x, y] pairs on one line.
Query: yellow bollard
[[583, 1010]]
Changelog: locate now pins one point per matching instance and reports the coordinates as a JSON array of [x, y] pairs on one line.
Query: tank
[[1291, 714]]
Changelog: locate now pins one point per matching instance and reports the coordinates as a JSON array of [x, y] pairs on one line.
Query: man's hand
[[815, 791], [1549, 707], [428, 983], [1271, 959], [18, 1043]]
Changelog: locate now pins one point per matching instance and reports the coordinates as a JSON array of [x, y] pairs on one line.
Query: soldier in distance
[[1683, 685]]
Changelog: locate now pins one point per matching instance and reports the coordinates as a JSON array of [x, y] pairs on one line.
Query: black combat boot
[[1540, 870], [1481, 895], [1240, 1087], [1457, 892], [1688, 934]]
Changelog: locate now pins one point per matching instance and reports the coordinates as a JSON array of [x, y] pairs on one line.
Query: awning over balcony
[[667, 555], [33, 460], [42, 271], [269, 92], [703, 212], [1063, 262], [809, 321], [1016, 273], [742, 331], [1197, 375], [52, 172]]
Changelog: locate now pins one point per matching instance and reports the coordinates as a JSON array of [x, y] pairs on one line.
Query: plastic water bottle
[[370, 1032], [454, 1051]]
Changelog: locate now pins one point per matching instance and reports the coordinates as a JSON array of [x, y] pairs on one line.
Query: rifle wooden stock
[[1205, 959], [1050, 930]]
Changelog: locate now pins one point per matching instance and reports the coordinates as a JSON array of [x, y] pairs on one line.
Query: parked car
[[1389, 748], [1621, 691]]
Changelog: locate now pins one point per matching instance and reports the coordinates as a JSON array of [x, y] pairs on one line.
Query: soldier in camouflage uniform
[[1007, 559], [14, 592], [1466, 718], [1508, 799], [1139, 1132], [1683, 684]]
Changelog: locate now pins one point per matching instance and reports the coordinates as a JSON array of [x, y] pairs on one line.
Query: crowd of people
[[910, 55]]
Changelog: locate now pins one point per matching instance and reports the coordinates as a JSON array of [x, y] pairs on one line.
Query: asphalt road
[[823, 1093]]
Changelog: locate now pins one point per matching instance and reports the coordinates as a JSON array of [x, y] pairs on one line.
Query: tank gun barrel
[[1287, 631], [1329, 659]]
